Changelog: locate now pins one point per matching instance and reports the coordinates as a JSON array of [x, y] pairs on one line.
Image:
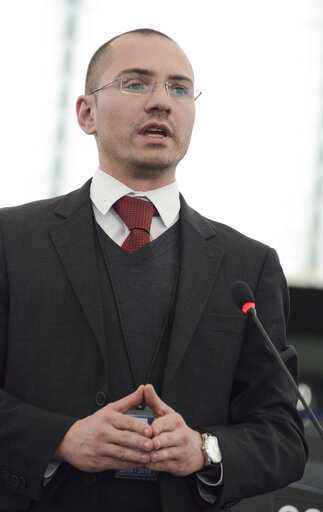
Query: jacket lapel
[[74, 238], [200, 262]]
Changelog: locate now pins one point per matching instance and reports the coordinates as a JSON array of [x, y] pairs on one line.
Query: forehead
[[159, 55]]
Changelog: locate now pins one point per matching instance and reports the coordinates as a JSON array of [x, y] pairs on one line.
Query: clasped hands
[[110, 439]]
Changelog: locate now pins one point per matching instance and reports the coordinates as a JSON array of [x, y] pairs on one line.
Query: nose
[[158, 99]]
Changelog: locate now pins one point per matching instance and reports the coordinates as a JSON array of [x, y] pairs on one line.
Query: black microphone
[[243, 297]]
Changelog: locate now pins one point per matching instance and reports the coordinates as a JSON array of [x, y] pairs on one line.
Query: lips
[[155, 130]]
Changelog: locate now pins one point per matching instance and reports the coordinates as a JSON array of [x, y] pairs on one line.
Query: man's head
[[140, 137]]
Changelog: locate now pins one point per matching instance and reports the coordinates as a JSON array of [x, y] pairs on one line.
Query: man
[[98, 335]]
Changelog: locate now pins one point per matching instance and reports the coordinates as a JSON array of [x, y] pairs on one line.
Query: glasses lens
[[136, 85], [180, 92]]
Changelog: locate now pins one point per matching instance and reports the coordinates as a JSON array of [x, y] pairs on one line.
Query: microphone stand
[[253, 313]]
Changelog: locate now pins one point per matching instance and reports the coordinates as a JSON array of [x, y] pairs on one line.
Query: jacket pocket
[[218, 322]]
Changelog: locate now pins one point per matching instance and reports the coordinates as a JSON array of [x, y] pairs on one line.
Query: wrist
[[58, 453], [61, 451]]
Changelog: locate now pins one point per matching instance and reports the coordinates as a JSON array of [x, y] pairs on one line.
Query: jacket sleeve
[[263, 446], [28, 435]]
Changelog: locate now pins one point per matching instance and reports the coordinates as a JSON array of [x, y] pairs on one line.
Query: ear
[[85, 111]]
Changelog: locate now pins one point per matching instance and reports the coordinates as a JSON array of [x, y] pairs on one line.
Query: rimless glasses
[[142, 86]]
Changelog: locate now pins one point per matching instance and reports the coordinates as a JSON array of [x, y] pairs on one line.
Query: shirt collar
[[106, 190]]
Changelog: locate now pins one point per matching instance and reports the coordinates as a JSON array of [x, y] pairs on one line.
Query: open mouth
[[155, 133]]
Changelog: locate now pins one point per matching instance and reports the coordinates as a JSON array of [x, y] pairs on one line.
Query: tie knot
[[135, 213]]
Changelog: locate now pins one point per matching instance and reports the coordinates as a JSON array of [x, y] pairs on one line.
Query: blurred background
[[256, 158], [259, 120]]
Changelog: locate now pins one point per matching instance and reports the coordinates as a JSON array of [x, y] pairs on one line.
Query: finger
[[167, 423], [121, 464], [168, 439], [124, 454], [128, 402], [106, 462], [98, 464], [166, 454], [169, 466], [154, 402], [126, 438], [126, 422], [176, 467]]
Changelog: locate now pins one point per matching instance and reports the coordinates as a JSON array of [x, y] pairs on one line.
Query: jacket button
[[101, 398], [14, 480], [89, 479], [22, 482], [5, 476]]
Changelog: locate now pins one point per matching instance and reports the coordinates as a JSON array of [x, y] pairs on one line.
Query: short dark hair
[[95, 65]]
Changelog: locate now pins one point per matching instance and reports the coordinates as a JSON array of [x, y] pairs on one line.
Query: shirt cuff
[[209, 491], [50, 471], [210, 481]]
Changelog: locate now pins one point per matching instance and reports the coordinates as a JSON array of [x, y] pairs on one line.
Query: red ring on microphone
[[248, 305]]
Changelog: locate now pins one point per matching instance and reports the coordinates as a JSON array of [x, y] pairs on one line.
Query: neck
[[142, 184]]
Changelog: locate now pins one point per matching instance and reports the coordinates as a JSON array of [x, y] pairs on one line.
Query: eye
[[134, 84], [179, 90]]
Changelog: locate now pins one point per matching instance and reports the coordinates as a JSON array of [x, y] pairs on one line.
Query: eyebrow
[[147, 72]]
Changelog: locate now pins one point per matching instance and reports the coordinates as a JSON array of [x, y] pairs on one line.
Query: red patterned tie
[[137, 216]]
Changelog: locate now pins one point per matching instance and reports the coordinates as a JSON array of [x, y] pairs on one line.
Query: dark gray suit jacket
[[218, 375]]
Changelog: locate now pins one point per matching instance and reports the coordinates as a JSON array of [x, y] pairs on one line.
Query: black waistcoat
[[144, 283]]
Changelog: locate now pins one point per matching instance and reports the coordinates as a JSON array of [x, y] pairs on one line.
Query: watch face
[[213, 450]]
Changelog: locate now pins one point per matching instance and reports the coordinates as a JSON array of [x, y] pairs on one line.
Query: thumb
[[128, 402], [154, 402]]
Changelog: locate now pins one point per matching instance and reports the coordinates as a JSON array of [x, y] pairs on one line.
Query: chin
[[151, 169]]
